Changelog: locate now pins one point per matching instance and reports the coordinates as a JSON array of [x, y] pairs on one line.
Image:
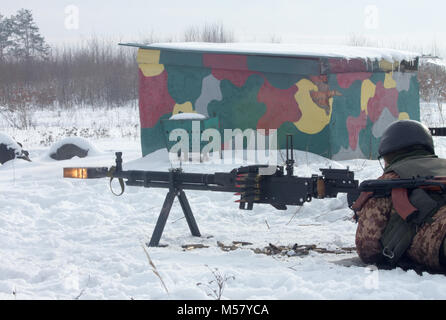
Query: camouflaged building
[[335, 101]]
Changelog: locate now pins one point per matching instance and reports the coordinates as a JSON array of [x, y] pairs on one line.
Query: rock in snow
[[71, 147], [10, 149]]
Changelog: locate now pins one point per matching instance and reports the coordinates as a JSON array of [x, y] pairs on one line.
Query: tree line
[[33, 75], [97, 72]]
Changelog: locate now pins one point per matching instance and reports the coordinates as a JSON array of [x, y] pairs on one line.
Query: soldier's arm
[[372, 220]]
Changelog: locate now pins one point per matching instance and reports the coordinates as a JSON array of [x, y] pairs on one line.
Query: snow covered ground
[[73, 239]]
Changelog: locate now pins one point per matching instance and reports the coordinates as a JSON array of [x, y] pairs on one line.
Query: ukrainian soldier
[[384, 236]]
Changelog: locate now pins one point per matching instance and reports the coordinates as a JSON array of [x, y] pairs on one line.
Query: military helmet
[[405, 133]]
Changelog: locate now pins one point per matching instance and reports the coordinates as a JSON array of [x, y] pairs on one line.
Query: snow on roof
[[187, 116], [285, 49]]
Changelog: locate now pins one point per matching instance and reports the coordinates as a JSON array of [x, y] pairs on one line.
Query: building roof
[[285, 50]]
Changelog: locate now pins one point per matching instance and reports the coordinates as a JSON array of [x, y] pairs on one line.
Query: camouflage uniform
[[372, 221]]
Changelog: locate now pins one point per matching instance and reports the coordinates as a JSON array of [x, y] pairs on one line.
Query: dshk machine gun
[[278, 189]]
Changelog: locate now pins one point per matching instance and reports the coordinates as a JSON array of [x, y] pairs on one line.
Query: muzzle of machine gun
[[94, 172], [86, 173]]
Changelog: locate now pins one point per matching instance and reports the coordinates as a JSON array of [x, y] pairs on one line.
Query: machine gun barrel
[[219, 181]]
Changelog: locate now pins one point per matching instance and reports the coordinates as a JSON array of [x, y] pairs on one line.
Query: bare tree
[[192, 34], [214, 32], [432, 84], [275, 39], [359, 41], [96, 73]]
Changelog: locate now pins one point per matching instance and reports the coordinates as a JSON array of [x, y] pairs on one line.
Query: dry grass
[[215, 287], [154, 269]]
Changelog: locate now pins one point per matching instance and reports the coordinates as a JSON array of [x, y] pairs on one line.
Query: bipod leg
[[188, 214], [162, 219]]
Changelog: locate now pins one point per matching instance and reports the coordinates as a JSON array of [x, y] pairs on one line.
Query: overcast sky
[[415, 24]]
